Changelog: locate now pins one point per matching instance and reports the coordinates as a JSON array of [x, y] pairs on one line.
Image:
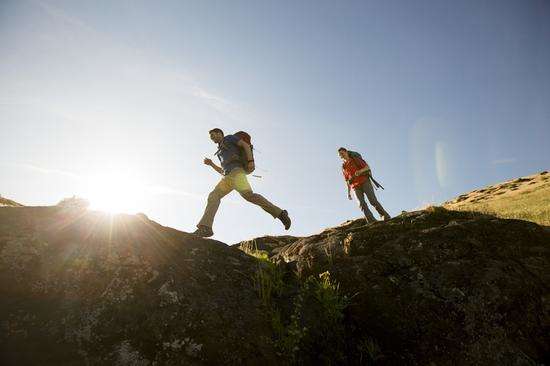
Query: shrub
[[74, 202]]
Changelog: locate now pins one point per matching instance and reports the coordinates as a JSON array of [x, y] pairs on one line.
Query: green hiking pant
[[235, 180]]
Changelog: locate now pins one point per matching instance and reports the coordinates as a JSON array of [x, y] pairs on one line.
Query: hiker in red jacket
[[235, 155], [358, 177]]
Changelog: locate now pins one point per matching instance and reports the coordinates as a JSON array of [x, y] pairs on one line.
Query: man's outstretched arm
[[214, 166]]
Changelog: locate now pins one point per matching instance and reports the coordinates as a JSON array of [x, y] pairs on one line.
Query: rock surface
[[79, 287], [439, 286], [432, 287]]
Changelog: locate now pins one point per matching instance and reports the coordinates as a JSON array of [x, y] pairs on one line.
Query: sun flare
[[113, 192]]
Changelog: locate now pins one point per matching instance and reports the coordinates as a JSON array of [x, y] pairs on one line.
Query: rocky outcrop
[[270, 245], [85, 288], [438, 287], [432, 287]]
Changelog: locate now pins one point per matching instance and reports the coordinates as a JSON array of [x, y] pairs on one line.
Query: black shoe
[[285, 219], [204, 231]]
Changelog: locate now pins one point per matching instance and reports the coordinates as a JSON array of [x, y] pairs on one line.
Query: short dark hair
[[216, 130], [342, 149]]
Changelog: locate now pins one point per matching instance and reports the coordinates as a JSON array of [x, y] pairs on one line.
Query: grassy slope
[[7, 202], [525, 198]]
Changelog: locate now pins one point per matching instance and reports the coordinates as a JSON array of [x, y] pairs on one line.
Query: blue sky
[[441, 97]]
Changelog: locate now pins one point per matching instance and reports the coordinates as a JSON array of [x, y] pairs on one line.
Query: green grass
[[313, 324], [268, 279]]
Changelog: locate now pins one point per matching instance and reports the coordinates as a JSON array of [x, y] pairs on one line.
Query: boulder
[[98, 289]]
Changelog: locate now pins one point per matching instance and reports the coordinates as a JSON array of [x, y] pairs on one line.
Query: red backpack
[[246, 138]]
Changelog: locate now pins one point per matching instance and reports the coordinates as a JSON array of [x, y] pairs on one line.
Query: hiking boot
[[203, 231], [370, 218], [285, 219]]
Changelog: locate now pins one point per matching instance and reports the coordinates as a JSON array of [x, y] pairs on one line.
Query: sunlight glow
[[114, 192]]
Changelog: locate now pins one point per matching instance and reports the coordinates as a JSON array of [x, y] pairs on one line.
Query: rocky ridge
[[431, 287]]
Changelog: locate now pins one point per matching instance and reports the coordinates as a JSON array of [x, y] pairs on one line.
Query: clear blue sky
[[441, 97]]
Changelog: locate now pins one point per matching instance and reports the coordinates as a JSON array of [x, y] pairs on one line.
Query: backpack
[[246, 138], [355, 156]]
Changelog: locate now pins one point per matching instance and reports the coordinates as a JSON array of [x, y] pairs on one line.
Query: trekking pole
[[376, 184]]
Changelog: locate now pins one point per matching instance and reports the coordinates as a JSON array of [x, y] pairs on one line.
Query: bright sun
[[114, 192]]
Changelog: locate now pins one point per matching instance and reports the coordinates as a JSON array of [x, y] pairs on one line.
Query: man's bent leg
[[240, 183], [369, 191], [363, 205], [261, 201], [214, 198]]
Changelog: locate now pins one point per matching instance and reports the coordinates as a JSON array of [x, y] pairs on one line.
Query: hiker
[[358, 177], [235, 155]]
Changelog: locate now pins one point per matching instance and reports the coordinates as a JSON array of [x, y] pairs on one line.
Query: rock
[[427, 287], [439, 286], [91, 289], [267, 244]]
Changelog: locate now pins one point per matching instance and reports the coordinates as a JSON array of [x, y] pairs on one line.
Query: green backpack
[[356, 156]]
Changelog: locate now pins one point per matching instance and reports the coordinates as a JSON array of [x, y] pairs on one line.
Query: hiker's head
[[343, 153], [216, 135]]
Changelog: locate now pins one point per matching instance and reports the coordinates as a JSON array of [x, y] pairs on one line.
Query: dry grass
[[4, 202], [525, 199]]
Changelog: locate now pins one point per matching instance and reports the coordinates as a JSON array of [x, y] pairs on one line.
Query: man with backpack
[[358, 177], [237, 160]]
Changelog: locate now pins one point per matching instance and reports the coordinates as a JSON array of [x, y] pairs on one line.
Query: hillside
[[4, 202], [526, 198], [427, 287]]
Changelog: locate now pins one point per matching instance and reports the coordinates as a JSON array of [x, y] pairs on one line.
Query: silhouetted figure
[[235, 155]]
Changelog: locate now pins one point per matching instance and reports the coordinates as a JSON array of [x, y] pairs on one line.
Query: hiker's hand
[[208, 161], [349, 196], [250, 167]]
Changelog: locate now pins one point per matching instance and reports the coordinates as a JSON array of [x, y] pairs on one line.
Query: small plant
[[311, 330], [268, 278], [369, 351], [289, 337], [74, 202], [330, 254], [316, 324], [328, 294]]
